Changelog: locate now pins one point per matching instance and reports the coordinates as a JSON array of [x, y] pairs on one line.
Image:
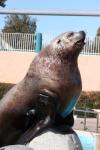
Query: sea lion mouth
[[81, 42]]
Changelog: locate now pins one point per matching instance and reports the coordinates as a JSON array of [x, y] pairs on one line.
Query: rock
[[16, 147], [51, 140]]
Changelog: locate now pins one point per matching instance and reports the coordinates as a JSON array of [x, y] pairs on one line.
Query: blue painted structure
[[38, 42]]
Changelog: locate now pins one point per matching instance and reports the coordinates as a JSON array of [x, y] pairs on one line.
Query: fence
[[92, 47], [17, 42], [27, 42], [87, 120]]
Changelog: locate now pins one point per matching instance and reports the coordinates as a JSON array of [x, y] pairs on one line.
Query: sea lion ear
[[58, 41]]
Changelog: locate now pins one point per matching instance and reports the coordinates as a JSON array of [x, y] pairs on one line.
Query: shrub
[[4, 87], [89, 100], [86, 100]]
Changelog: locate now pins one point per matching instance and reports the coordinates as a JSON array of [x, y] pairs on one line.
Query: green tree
[[19, 24], [98, 32], [2, 3], [96, 41]]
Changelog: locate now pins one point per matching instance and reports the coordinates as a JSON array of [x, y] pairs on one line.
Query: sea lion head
[[69, 43]]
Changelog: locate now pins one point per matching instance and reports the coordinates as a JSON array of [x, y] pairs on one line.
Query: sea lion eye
[[70, 34]]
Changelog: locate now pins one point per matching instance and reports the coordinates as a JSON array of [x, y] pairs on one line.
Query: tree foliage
[[2, 3], [89, 100], [19, 24], [95, 45], [98, 32]]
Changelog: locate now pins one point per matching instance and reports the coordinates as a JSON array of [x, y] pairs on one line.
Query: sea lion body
[[61, 81], [51, 87]]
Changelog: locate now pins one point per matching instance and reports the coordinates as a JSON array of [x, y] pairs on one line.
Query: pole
[[50, 12], [85, 121], [38, 42], [97, 123]]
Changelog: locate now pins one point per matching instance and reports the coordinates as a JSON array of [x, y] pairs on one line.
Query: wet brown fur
[[55, 69]]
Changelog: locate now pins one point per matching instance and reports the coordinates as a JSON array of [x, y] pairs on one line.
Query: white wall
[[90, 72], [14, 65]]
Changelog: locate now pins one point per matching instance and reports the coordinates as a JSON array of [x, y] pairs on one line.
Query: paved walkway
[[91, 124]]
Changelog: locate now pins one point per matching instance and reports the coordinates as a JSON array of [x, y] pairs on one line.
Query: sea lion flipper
[[45, 113], [70, 119], [63, 124], [34, 131]]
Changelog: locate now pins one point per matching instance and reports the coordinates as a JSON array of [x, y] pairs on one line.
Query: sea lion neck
[[70, 58], [62, 56]]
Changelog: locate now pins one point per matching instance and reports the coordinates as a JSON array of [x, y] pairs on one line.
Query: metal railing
[[87, 120], [92, 47], [17, 41], [51, 12], [26, 42]]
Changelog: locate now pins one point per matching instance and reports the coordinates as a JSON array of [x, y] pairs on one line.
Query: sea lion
[[47, 93]]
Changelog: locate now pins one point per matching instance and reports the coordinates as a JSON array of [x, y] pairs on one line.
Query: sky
[[52, 25]]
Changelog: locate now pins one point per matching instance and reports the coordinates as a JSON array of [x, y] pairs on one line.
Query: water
[[88, 142]]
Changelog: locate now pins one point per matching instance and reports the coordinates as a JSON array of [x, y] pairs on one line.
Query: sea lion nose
[[83, 34]]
